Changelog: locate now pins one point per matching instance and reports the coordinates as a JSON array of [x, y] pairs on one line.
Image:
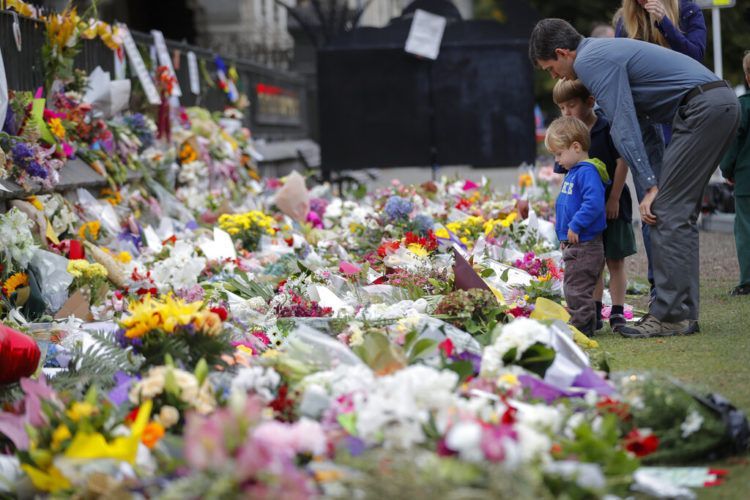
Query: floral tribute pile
[[205, 333]]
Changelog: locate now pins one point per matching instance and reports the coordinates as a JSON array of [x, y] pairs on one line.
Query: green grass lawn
[[716, 360]]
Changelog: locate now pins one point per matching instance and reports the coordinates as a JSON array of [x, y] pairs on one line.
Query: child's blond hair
[[746, 63], [566, 130], [566, 90]]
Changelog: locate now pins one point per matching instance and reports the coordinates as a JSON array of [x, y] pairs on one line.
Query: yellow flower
[[16, 281], [508, 379], [90, 230], [245, 349], [56, 127], [35, 201], [152, 314], [113, 197], [525, 181], [506, 222], [83, 269], [21, 7], [51, 480], [442, 233], [124, 257], [417, 249], [80, 410], [61, 434], [271, 354]]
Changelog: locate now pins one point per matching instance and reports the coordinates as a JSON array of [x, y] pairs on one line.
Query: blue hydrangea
[[398, 208], [422, 223]]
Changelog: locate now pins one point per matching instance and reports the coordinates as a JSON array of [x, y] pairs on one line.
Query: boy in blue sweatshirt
[[580, 217]]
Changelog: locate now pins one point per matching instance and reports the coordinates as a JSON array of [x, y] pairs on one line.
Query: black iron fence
[[278, 107]]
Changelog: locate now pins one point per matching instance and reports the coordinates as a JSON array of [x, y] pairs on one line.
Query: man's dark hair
[[551, 34]]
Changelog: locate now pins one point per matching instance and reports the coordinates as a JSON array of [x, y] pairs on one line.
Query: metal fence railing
[[278, 107]]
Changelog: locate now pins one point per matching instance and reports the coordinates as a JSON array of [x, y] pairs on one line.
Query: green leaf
[[421, 348], [349, 422], [486, 273], [201, 371], [464, 369], [504, 276]]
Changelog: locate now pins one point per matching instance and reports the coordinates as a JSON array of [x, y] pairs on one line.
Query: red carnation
[[640, 445], [220, 311]]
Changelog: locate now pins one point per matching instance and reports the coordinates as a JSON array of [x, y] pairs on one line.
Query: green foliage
[[242, 285], [95, 366], [600, 446], [666, 405], [535, 359], [185, 348], [475, 311]]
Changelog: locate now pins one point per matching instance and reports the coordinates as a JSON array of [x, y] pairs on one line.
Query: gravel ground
[[718, 257]]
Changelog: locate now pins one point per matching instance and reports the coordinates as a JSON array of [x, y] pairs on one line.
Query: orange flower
[[16, 281], [153, 432], [188, 154]]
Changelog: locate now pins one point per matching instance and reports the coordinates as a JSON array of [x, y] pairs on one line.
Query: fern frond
[[96, 365]]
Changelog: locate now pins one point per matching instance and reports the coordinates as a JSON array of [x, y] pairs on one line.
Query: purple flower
[[119, 394], [398, 208], [36, 170], [318, 205], [22, 152]]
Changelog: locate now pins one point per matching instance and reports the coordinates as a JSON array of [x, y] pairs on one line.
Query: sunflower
[[56, 127], [16, 281]]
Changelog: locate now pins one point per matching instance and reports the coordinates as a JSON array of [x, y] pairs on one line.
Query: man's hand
[[656, 9], [613, 207], [646, 215], [572, 237]]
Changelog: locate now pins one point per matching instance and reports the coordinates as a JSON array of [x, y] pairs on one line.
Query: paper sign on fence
[[425, 34], [139, 66]]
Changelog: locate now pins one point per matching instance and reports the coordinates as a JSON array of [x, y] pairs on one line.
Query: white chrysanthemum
[[257, 379], [520, 334], [398, 405]]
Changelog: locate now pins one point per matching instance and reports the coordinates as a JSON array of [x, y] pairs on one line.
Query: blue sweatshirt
[[580, 205]]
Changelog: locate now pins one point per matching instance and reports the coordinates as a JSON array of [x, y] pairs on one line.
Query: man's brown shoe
[[651, 326]]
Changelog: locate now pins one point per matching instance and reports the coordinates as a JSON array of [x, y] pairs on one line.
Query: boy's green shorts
[[619, 239]]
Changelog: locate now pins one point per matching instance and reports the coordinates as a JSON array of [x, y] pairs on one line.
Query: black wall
[[376, 101]]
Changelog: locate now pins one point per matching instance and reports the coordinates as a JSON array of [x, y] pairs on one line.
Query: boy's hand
[[572, 237], [613, 207]]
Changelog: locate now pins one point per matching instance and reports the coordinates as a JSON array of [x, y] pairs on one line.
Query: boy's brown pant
[[583, 266]]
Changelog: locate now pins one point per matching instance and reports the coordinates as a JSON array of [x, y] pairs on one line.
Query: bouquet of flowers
[[237, 452], [248, 227], [524, 342], [30, 164], [89, 277], [174, 392], [15, 256], [55, 438], [475, 311], [187, 331]]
